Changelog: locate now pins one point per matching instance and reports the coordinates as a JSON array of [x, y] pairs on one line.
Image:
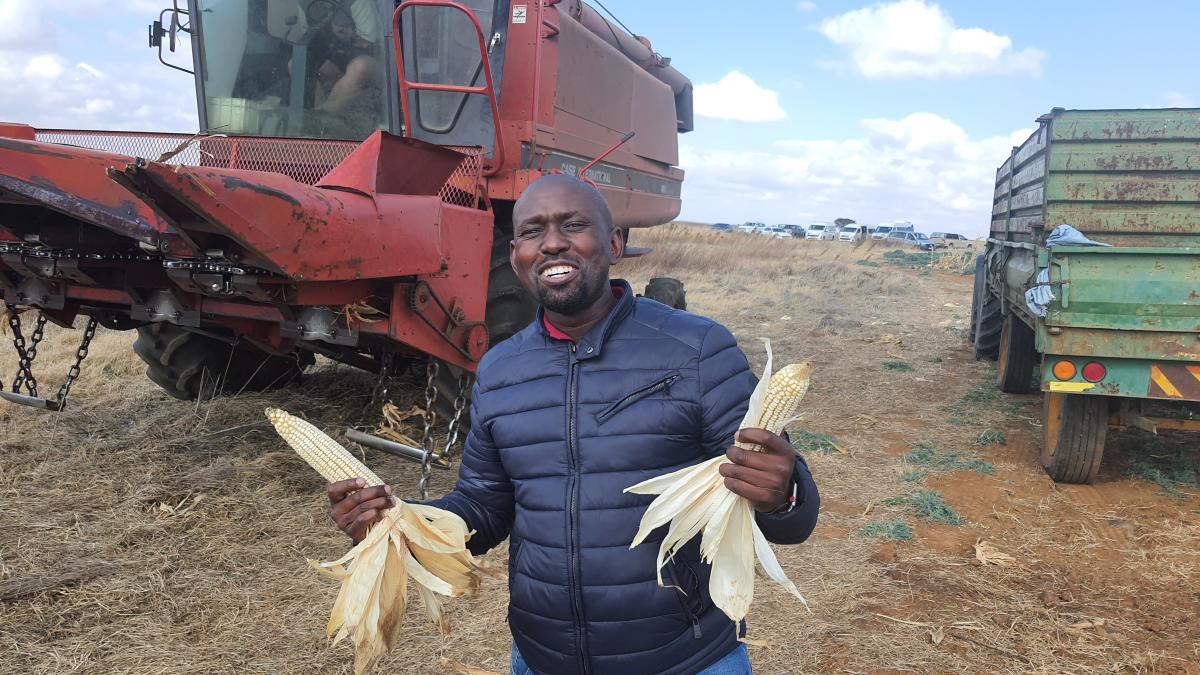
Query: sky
[[806, 111]]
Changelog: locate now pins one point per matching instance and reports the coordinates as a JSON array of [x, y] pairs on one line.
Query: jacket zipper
[[635, 396], [573, 513], [680, 595]]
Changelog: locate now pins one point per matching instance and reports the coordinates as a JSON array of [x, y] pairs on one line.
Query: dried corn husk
[[412, 541], [695, 501]]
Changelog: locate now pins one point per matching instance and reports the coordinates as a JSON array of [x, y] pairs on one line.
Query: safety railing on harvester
[[488, 89]]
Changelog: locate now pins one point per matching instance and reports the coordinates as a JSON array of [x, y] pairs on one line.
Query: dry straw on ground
[[141, 534]]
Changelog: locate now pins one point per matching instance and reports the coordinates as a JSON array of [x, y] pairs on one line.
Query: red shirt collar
[[557, 334]]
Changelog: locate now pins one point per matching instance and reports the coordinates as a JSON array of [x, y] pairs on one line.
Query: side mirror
[[157, 32]]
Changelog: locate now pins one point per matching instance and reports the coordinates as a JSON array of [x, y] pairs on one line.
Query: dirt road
[[142, 534]]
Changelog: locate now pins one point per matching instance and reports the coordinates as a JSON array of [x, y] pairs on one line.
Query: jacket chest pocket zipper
[[635, 396]]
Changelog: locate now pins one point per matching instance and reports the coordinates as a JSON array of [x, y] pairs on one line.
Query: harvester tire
[[188, 365], [1074, 430], [1018, 357], [509, 309], [668, 291], [989, 322]]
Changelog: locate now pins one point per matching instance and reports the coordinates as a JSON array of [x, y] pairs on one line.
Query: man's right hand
[[354, 508]]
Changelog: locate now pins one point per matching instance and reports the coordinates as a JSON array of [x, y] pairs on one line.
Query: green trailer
[[1121, 324]]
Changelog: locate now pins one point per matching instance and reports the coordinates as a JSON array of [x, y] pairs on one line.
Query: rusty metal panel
[[1002, 188], [1034, 172], [1131, 218], [1025, 223], [1032, 146], [1124, 344], [1123, 187], [1031, 198], [1005, 170], [1116, 125], [1001, 206], [1127, 156]]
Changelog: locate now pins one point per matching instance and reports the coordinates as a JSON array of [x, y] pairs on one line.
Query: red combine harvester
[[350, 194]]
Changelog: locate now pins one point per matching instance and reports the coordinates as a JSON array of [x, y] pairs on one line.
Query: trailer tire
[[1018, 356], [1074, 430], [188, 365], [989, 322], [976, 294], [668, 291]]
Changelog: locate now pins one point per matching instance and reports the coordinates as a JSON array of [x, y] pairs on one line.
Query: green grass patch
[[930, 507], [991, 437], [898, 366], [911, 260], [1175, 472], [914, 476], [809, 441], [984, 393], [924, 454], [867, 263], [896, 530], [936, 359]]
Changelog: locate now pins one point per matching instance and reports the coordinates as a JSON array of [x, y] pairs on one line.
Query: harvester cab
[[349, 193], [327, 69]]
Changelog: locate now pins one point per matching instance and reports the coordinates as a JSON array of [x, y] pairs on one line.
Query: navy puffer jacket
[[558, 431]]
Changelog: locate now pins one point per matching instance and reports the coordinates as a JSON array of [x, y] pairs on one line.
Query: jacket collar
[[592, 343]]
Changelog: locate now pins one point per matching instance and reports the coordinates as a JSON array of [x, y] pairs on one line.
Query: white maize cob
[[695, 501], [785, 390], [414, 541], [322, 453]]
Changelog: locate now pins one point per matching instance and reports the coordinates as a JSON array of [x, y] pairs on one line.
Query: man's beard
[[571, 300]]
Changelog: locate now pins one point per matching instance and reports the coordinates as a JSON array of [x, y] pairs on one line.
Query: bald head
[[563, 193]]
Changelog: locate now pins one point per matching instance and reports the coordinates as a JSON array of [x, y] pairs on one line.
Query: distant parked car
[[777, 232], [949, 236], [852, 233], [722, 227], [819, 231], [914, 239], [794, 230], [750, 228], [882, 231]]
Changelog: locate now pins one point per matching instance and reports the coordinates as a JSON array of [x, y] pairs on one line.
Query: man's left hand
[[764, 478]]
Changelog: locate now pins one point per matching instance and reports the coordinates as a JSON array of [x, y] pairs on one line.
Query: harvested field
[[142, 534]]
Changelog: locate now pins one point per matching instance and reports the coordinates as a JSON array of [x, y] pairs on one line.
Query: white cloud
[[1178, 99], [805, 6], [922, 168], [913, 38], [738, 97], [122, 87]]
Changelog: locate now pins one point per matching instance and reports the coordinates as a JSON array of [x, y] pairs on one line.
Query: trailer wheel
[[989, 322], [976, 294], [668, 291], [1018, 356], [1074, 430], [188, 365]]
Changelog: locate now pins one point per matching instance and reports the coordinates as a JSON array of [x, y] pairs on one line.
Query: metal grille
[[462, 187], [304, 160]]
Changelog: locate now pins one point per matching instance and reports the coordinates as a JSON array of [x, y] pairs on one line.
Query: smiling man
[[603, 390]]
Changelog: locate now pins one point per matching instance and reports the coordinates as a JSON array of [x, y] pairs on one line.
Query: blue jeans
[[736, 663]]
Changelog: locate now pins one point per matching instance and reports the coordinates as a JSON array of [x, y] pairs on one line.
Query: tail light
[[1064, 370], [1094, 372]]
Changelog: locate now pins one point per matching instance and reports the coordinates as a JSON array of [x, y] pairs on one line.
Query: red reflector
[[1094, 372]]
